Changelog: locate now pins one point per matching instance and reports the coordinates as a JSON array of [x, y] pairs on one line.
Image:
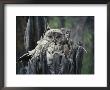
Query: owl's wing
[[33, 61], [22, 62], [25, 58]]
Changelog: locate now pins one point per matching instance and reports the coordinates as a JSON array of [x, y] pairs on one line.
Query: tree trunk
[[35, 29]]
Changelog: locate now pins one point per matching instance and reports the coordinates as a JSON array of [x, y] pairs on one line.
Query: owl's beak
[[55, 41]]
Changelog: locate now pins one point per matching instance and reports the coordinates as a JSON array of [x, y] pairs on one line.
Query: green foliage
[[54, 22], [88, 59], [68, 22]]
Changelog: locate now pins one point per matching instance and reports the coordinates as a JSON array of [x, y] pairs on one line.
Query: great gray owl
[[55, 53]]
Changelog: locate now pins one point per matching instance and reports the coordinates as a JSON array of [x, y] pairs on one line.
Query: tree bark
[[36, 27]]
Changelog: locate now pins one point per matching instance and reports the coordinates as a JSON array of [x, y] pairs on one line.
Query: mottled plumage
[[55, 53]]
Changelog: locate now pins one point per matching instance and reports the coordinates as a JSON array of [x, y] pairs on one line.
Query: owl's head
[[54, 35]]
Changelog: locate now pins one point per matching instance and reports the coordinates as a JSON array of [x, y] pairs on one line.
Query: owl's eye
[[50, 36], [67, 32], [58, 36]]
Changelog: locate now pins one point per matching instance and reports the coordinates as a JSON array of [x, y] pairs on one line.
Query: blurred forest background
[[29, 29]]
